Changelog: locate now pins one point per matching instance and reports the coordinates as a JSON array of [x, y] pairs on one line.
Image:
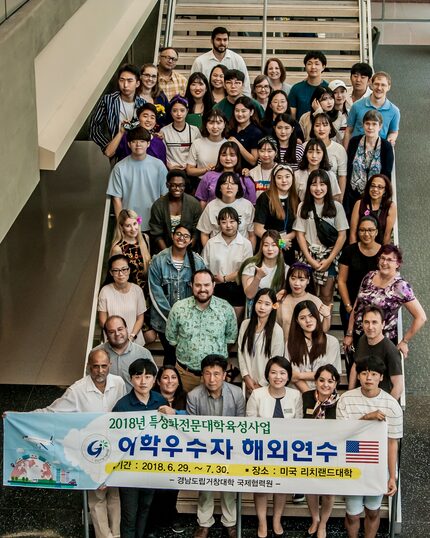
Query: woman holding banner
[[274, 401], [321, 404]]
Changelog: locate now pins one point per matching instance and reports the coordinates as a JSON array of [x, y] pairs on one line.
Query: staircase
[[292, 29]]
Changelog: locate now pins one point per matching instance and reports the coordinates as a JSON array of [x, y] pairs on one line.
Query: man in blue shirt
[[377, 100], [139, 180], [136, 502], [300, 94]]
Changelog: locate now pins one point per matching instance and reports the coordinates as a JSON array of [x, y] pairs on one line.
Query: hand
[[375, 415], [175, 166], [121, 126], [260, 272], [348, 309], [250, 383], [325, 311], [166, 410], [392, 140], [296, 376], [219, 278], [245, 172], [324, 265], [403, 347], [392, 488], [315, 104], [159, 135], [210, 167], [102, 487], [233, 139], [280, 296], [347, 341]]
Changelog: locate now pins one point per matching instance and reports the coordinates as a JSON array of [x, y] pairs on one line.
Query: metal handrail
[[264, 35], [158, 35]]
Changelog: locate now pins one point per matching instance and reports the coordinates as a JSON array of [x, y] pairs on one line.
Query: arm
[[259, 229], [251, 284], [102, 318], [250, 157], [389, 225], [347, 340], [343, 289], [342, 185], [193, 170], [352, 377], [158, 298], [301, 239], [392, 137], [253, 239], [392, 464], [252, 406], [341, 238], [204, 238], [111, 148], [419, 318], [293, 112], [347, 136], [138, 324], [397, 388], [96, 125], [353, 235], [117, 205]]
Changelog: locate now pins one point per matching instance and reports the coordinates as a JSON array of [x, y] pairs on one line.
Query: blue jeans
[[135, 505]]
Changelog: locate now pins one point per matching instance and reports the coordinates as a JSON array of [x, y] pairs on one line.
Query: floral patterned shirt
[[390, 299]]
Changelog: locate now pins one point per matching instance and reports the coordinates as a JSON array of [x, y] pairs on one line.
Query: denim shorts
[[355, 504]]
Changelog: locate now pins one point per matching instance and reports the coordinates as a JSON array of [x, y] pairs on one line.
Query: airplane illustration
[[39, 442]]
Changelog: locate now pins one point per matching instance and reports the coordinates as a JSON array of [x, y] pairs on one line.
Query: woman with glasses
[[377, 202], [151, 92], [368, 154], [388, 290], [170, 280], [175, 207], [261, 90], [355, 262], [120, 297]]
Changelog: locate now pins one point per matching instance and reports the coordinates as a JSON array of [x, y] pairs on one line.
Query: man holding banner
[[97, 392], [369, 402], [216, 397]]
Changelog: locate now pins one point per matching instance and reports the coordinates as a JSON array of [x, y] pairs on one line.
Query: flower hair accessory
[[161, 111], [367, 212], [281, 243], [139, 220]]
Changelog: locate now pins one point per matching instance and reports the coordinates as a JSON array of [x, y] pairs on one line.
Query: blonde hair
[[119, 236]]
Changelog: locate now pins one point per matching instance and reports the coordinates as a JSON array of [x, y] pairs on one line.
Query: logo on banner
[[96, 448]]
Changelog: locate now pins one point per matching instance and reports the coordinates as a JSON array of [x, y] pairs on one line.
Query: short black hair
[[315, 55], [176, 172], [362, 68], [228, 212], [328, 368], [223, 179], [283, 363], [130, 68], [370, 364], [201, 271], [219, 30], [138, 133], [146, 106], [230, 74], [214, 360], [375, 309], [142, 366]]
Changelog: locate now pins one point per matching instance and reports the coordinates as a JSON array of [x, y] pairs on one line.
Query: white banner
[[85, 450]]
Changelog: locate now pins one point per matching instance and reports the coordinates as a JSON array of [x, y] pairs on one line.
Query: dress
[[127, 305], [254, 364], [390, 299], [135, 261]]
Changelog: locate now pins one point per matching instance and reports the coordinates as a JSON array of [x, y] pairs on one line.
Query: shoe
[[231, 532], [276, 535], [298, 498], [201, 532], [177, 528]]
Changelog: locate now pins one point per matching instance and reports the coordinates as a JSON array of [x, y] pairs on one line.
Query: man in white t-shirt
[[221, 54], [369, 402]]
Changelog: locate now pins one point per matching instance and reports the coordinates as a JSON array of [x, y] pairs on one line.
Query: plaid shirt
[[177, 83]]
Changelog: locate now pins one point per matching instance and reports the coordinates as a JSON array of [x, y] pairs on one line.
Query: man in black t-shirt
[[373, 343]]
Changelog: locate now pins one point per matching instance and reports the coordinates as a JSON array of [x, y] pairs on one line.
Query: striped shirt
[[354, 405], [105, 120]]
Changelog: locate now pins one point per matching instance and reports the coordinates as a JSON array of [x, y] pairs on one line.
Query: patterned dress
[[135, 260]]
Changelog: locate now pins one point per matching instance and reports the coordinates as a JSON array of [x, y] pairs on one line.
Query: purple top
[[156, 148], [206, 189], [390, 299]]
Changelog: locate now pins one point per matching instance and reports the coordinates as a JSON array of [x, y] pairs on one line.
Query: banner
[[148, 449]]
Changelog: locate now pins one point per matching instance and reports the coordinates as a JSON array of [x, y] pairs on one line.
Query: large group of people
[[239, 209]]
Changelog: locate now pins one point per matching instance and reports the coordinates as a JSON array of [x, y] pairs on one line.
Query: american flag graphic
[[362, 452]]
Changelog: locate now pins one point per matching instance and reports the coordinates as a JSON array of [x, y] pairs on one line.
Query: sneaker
[[177, 528], [201, 532], [298, 498]]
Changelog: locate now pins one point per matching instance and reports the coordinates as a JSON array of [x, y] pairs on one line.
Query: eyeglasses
[[378, 187], [123, 270], [388, 260], [180, 235], [176, 186], [169, 58], [147, 75], [263, 87], [367, 230]]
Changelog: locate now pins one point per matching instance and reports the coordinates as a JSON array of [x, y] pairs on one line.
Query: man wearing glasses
[[170, 81]]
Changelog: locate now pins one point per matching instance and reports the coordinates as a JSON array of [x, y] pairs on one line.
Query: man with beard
[[121, 349], [97, 392], [198, 326], [221, 54]]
